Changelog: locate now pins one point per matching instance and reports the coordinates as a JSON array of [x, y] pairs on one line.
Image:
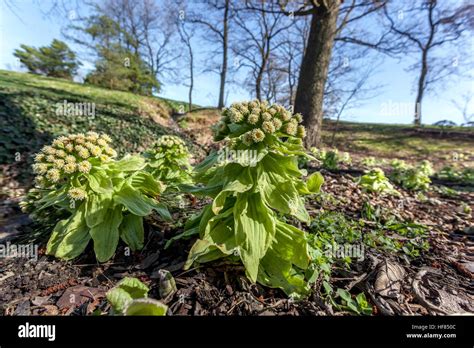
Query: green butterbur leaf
[[147, 306], [100, 182], [131, 231], [129, 297], [254, 231], [133, 200], [134, 287], [70, 237], [118, 298], [96, 207], [130, 163], [106, 234], [314, 182]]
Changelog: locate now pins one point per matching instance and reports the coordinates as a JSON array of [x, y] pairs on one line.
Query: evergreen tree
[[119, 65], [56, 60]]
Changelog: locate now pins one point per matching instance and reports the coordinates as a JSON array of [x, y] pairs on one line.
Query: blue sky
[[393, 104]]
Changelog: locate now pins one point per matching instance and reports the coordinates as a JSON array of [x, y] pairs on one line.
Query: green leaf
[[243, 182], [344, 294], [146, 183], [218, 240], [133, 200], [118, 298], [127, 290], [96, 207], [106, 234], [134, 287], [131, 231], [290, 244], [130, 163], [314, 182], [100, 182], [161, 209], [276, 272], [254, 230], [146, 306], [70, 237]]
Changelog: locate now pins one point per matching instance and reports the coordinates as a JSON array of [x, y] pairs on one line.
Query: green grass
[[29, 117], [403, 141]]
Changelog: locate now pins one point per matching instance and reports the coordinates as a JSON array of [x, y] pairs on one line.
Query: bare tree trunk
[[314, 69], [258, 85], [421, 88], [191, 78], [223, 73]]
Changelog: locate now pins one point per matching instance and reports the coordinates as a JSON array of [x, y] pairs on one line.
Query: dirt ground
[[437, 282]]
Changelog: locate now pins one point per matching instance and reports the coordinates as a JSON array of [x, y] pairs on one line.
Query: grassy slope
[[29, 118]]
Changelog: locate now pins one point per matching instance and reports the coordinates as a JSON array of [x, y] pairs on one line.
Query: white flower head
[[290, 128], [84, 153], [59, 163], [102, 142], [70, 159], [77, 193], [253, 118], [84, 167], [106, 137], [39, 157], [257, 135], [266, 116], [247, 138], [53, 175], [301, 131], [235, 116], [69, 167], [49, 150], [298, 117], [268, 127], [61, 153], [40, 168], [277, 123]]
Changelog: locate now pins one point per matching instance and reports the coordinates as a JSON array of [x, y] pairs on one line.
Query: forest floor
[[404, 268]]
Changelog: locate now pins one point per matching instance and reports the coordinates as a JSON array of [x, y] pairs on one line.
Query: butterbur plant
[[106, 199], [251, 193], [376, 181], [332, 158], [412, 178], [130, 297], [168, 161]]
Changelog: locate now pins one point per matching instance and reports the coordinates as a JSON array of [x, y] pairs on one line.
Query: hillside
[[33, 112]]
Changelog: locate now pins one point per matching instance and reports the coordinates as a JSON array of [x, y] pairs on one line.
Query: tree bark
[[421, 88], [223, 73], [191, 78], [314, 69]]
